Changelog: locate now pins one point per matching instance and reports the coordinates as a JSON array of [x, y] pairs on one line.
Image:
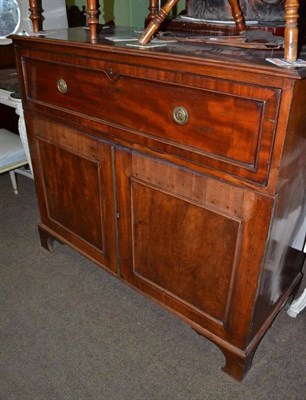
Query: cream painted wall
[[125, 12]]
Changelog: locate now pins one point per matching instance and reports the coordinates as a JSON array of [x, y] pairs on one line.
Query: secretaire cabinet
[[180, 170]]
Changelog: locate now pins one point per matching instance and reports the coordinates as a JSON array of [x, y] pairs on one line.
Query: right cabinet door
[[192, 242]]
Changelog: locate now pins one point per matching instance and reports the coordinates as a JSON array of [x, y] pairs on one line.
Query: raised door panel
[[186, 240], [175, 248], [74, 179]]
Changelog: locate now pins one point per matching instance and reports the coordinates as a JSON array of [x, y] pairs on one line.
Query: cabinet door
[[73, 175], [193, 243]]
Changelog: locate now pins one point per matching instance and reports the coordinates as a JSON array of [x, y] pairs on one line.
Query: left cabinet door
[[74, 183]]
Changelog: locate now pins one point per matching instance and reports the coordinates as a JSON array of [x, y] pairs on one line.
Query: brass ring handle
[[180, 115], [62, 86]]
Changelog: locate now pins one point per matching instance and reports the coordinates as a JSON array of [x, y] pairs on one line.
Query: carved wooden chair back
[[157, 16]]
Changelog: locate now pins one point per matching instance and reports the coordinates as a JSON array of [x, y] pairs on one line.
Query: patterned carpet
[[71, 331]]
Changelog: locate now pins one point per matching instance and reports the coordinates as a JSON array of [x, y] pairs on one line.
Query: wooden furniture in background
[[93, 19], [237, 15], [180, 170], [291, 30], [158, 18], [36, 14]]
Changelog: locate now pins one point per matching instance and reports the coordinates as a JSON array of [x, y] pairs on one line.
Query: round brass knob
[[180, 115], [62, 86]]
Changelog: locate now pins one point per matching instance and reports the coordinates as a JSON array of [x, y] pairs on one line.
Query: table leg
[[291, 29]]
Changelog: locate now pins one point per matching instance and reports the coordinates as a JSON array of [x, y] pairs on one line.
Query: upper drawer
[[221, 124]]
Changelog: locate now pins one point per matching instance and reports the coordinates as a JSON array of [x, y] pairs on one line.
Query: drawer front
[[226, 125]]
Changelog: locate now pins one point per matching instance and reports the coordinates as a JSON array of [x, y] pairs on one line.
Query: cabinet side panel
[[284, 257]]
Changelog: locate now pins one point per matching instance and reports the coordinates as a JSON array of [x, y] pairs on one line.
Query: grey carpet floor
[[71, 331]]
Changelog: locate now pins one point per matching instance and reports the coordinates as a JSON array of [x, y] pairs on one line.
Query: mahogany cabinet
[[181, 170]]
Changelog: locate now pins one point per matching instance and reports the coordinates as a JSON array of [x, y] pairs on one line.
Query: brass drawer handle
[[180, 115], [62, 86]]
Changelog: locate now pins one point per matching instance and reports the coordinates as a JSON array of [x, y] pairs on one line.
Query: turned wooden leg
[[93, 20], [291, 30], [153, 8], [156, 21], [36, 15], [46, 239], [237, 15]]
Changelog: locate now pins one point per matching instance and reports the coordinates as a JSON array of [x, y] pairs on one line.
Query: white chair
[[14, 155], [13, 158], [299, 304], [14, 18]]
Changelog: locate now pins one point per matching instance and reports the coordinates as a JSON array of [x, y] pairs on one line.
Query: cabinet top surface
[[110, 40]]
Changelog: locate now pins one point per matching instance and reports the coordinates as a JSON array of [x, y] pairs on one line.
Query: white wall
[[54, 13]]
